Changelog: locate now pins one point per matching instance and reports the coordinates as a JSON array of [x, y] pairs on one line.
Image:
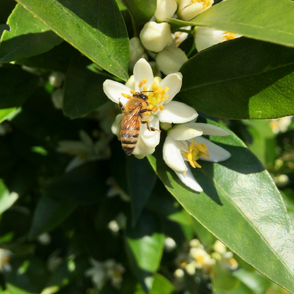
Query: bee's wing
[[132, 121]]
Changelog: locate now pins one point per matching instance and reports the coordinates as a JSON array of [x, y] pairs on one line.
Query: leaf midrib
[[236, 78], [82, 51]]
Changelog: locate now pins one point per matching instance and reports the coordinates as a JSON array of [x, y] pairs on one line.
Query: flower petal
[[142, 149], [209, 129], [172, 155], [216, 152], [174, 83], [116, 123], [150, 138], [184, 132], [114, 89], [143, 70], [189, 180], [177, 112]]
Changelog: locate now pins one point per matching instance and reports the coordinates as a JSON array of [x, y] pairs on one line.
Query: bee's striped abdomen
[[130, 130]]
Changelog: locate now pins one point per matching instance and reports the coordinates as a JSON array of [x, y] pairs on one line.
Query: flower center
[[155, 97], [205, 3], [229, 36], [195, 152]]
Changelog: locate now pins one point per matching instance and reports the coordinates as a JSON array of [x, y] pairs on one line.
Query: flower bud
[[56, 79], [136, 51], [189, 9], [156, 36], [171, 59], [57, 98], [165, 9], [206, 37]]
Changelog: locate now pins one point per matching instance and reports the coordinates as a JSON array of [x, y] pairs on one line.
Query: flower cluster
[[184, 142]]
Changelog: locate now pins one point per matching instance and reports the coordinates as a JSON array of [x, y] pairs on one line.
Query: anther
[[132, 92]]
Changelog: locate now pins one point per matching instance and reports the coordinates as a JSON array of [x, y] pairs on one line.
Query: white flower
[[165, 9], [219, 247], [155, 36], [202, 258], [170, 59], [85, 150], [169, 244], [189, 9], [5, 256], [280, 124], [179, 37], [185, 143], [206, 37], [57, 98], [101, 272], [160, 94], [56, 79], [44, 239]]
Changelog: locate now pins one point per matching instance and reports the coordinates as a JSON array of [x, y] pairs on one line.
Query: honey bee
[[133, 113]]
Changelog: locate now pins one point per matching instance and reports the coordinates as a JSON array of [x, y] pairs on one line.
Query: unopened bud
[[189, 9], [56, 79], [171, 59], [156, 36], [165, 9], [136, 51]]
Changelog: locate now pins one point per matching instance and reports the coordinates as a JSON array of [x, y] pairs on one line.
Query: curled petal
[[172, 155], [150, 138], [114, 89], [216, 152], [115, 125], [143, 70], [189, 180], [177, 112], [184, 132], [174, 83], [211, 130]]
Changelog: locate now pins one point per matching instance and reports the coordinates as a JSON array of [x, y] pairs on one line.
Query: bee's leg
[[148, 127], [121, 105]]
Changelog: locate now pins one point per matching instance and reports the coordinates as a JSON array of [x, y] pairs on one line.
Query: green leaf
[[234, 89], [27, 37], [250, 19], [141, 10], [253, 280], [144, 245], [141, 181], [241, 206], [5, 113], [161, 285], [49, 213], [85, 184], [3, 27], [83, 91], [6, 199], [95, 28], [16, 86]]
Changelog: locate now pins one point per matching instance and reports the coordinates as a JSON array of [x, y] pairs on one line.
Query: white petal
[[142, 149], [150, 138], [172, 155], [115, 125], [177, 112], [184, 132], [216, 152], [75, 162], [143, 70], [114, 89], [189, 180], [131, 82], [209, 129], [174, 83], [86, 138]]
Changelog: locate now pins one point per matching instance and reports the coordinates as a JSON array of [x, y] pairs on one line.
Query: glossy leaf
[[144, 245], [241, 206], [6, 112], [83, 91], [49, 213], [160, 285], [84, 184], [141, 181], [250, 80], [251, 19], [97, 31], [6, 199], [141, 11], [27, 37]]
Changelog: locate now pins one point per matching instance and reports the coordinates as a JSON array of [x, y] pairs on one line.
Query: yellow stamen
[[185, 173], [148, 120], [229, 36], [132, 92], [161, 107], [147, 112], [195, 152], [128, 96], [166, 97], [144, 88]]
